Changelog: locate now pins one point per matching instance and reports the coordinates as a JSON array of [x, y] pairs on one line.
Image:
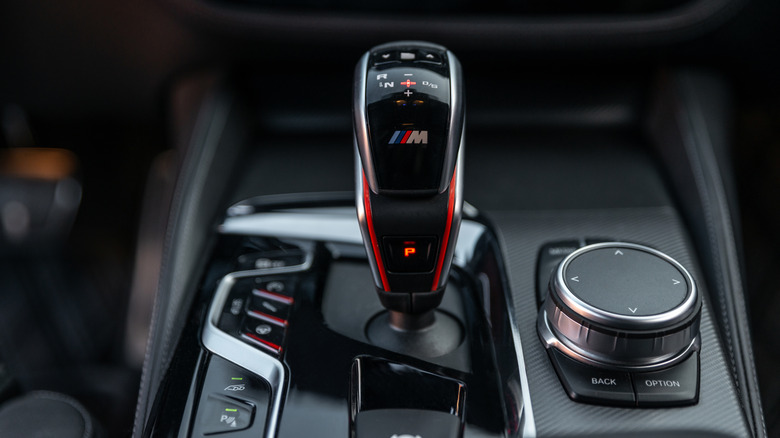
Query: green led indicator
[[231, 410], [236, 378]]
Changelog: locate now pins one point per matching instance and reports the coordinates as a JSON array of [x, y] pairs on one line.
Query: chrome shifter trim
[[361, 120]]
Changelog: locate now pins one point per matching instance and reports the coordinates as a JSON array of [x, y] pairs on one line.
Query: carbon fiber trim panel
[[718, 412]]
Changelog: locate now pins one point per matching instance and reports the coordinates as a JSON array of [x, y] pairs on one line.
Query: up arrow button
[[618, 252]]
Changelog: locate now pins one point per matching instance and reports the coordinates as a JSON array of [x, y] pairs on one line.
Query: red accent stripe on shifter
[[446, 237], [374, 243]]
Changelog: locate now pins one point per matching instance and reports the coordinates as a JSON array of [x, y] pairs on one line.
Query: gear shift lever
[[408, 118]]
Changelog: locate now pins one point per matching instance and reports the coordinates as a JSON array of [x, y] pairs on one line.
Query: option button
[[678, 385]]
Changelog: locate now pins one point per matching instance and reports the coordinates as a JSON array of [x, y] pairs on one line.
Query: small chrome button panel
[[257, 310], [247, 325]]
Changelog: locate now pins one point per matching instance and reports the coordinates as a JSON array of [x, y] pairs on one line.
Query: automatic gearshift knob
[[408, 119]]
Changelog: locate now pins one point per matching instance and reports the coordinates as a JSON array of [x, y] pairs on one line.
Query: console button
[[223, 414], [276, 285], [271, 303], [410, 254], [232, 399], [429, 56], [385, 57], [406, 423], [264, 331], [594, 385], [225, 378], [271, 259], [233, 312], [407, 55], [678, 385]]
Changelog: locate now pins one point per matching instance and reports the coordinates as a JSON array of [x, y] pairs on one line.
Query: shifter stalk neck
[[409, 322]]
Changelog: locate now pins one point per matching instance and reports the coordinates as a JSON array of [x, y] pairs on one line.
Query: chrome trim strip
[[338, 225], [455, 124], [361, 121], [527, 413], [242, 354], [629, 322], [289, 224], [549, 340]]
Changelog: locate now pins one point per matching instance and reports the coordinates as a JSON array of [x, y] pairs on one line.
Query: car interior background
[[130, 128]]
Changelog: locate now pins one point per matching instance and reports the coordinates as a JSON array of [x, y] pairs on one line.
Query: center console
[[303, 326], [399, 310]]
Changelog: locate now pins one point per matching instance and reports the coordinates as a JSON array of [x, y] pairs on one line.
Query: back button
[[588, 384]]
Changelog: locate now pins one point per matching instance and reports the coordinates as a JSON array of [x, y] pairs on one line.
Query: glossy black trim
[[490, 371]]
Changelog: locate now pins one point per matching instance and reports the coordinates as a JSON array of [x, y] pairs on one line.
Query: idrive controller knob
[[621, 306]]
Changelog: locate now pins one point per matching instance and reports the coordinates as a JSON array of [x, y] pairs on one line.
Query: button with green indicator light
[[223, 414]]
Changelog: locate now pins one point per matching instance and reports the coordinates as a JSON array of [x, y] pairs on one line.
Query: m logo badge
[[409, 137]]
